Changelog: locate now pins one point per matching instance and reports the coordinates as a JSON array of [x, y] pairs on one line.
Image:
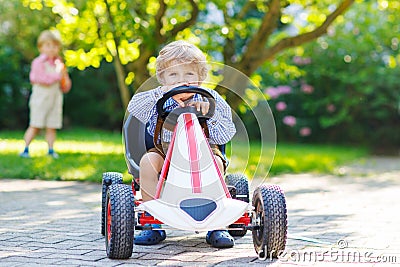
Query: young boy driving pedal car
[[179, 63]]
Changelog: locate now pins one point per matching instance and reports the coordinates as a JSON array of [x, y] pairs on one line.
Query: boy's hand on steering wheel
[[203, 107], [200, 106], [180, 98]]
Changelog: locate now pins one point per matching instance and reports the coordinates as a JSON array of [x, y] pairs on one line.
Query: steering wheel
[[176, 112]]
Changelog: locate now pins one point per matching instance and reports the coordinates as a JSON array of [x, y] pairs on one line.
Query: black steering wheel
[[190, 109]]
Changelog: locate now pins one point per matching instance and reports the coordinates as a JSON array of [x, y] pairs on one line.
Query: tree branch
[[248, 5], [268, 25], [158, 20], [268, 53], [119, 68], [229, 47], [141, 73], [137, 9], [186, 24]]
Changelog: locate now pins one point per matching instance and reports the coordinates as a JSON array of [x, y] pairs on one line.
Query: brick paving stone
[[28, 260], [44, 223]]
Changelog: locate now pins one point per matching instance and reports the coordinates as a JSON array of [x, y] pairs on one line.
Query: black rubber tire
[[120, 231], [115, 178], [271, 216], [241, 183]]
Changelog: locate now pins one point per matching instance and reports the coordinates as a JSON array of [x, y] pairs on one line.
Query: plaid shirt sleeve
[[143, 107], [221, 126], [143, 104]]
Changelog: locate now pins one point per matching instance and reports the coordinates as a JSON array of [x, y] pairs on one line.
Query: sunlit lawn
[[86, 154]]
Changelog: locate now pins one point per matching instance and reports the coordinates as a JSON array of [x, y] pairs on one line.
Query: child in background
[[179, 63], [48, 77]]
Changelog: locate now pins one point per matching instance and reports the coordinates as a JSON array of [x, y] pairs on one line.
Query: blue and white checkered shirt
[[220, 126]]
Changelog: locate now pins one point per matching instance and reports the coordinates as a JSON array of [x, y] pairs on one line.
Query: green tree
[[130, 33], [357, 93], [344, 86], [118, 31]]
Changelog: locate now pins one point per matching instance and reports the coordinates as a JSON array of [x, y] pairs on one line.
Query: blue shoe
[[162, 232], [24, 155], [150, 237], [220, 239]]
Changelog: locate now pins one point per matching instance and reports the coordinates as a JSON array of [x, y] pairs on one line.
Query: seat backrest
[[134, 136]]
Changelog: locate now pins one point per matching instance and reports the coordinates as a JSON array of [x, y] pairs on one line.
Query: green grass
[[86, 154], [292, 158]]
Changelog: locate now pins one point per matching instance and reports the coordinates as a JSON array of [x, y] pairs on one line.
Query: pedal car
[[192, 194]]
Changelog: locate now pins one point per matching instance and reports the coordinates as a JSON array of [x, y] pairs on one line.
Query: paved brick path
[[58, 224]]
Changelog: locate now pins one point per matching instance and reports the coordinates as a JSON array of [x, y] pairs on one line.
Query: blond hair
[[51, 36], [181, 52]]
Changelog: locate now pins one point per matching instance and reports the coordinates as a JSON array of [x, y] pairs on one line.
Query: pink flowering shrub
[[288, 104], [275, 92], [289, 121], [300, 61], [306, 88], [280, 106], [305, 131]]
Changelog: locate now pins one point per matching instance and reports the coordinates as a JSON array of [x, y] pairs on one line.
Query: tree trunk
[[123, 88], [233, 85], [139, 67]]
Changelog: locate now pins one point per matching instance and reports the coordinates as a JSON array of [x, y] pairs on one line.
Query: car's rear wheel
[[119, 226], [241, 184], [270, 221]]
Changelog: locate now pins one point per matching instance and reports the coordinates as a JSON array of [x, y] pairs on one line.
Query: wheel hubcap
[[259, 222]]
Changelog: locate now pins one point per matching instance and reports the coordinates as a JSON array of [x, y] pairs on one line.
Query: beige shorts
[[45, 107]]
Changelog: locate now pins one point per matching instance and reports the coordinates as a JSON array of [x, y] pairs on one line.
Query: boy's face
[[50, 49], [182, 74]]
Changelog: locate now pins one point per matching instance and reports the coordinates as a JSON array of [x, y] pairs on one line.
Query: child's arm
[[143, 104], [39, 75], [221, 126], [65, 82]]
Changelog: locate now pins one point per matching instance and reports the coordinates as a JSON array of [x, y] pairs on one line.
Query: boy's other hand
[[200, 106], [181, 98]]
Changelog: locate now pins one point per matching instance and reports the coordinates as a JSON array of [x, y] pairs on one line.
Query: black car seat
[[136, 144]]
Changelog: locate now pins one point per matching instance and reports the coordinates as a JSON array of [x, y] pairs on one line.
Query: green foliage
[[94, 100], [97, 30], [360, 83], [237, 22], [297, 158], [344, 87], [86, 154], [21, 26], [13, 89]]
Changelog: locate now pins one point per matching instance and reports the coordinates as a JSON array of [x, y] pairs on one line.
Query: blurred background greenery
[[329, 69]]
